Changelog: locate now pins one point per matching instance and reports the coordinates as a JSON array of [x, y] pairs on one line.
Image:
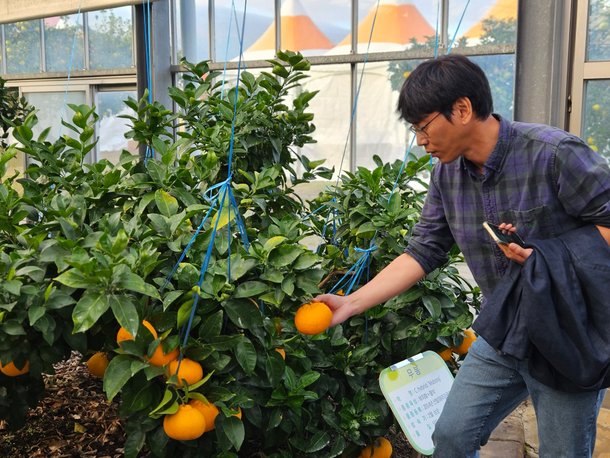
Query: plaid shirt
[[541, 179]]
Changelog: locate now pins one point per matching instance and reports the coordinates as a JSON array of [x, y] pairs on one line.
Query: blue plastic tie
[[70, 64], [458, 27]]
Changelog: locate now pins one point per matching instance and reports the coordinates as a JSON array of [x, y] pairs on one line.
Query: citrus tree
[[190, 320]]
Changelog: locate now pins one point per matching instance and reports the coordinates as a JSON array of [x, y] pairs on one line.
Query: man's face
[[439, 136]]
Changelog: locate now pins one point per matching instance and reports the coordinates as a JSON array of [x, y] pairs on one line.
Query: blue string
[[458, 27], [354, 108], [203, 270], [234, 120], [225, 194], [436, 34], [70, 64], [224, 71], [150, 152], [402, 166]]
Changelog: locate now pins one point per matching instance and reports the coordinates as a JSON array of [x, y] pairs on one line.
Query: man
[[536, 179]]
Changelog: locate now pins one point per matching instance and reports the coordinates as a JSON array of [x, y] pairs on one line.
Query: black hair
[[436, 84]]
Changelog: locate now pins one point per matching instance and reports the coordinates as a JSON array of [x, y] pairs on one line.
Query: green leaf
[[124, 278], [13, 287], [273, 242], [305, 261], [275, 368], [35, 312], [168, 401], [250, 288], [166, 203], [233, 429], [211, 326], [34, 272], [314, 444], [285, 255], [239, 267], [125, 312], [308, 378], [243, 313], [120, 242], [433, 305], [73, 278], [119, 371], [245, 353], [395, 203], [12, 328], [133, 443], [91, 306]]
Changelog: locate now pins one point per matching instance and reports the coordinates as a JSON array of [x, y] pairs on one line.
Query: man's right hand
[[339, 305]]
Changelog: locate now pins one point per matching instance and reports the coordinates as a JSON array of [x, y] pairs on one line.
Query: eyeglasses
[[422, 130]]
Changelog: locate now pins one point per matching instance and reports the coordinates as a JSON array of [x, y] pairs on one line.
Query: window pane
[[193, 29], [598, 30], [299, 33], [484, 22], [64, 43], [111, 128], [22, 47], [332, 19], [331, 109], [596, 116], [500, 70], [395, 25], [379, 132], [50, 112], [259, 17], [110, 38]]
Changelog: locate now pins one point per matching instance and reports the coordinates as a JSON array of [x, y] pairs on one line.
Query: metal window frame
[[354, 58], [583, 70]]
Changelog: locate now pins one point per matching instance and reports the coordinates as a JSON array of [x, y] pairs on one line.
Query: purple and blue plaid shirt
[[541, 179]]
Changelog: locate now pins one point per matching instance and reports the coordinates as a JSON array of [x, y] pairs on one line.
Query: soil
[[76, 420]]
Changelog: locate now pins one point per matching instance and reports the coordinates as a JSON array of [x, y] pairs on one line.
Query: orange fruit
[[124, 334], [239, 413], [98, 363], [281, 351], [160, 358], [446, 354], [11, 370], [185, 425], [209, 411], [313, 318], [190, 370], [380, 448], [469, 338]]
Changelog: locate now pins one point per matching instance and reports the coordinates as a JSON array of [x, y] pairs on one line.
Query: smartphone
[[501, 237]]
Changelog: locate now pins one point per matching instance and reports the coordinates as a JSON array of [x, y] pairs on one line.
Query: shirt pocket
[[532, 223]]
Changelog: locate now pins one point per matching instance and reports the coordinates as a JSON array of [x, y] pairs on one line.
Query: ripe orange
[[380, 448], [313, 318], [446, 354], [469, 338], [239, 413], [281, 351], [160, 359], [190, 370], [124, 334], [98, 363], [185, 425], [209, 411], [11, 370]]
